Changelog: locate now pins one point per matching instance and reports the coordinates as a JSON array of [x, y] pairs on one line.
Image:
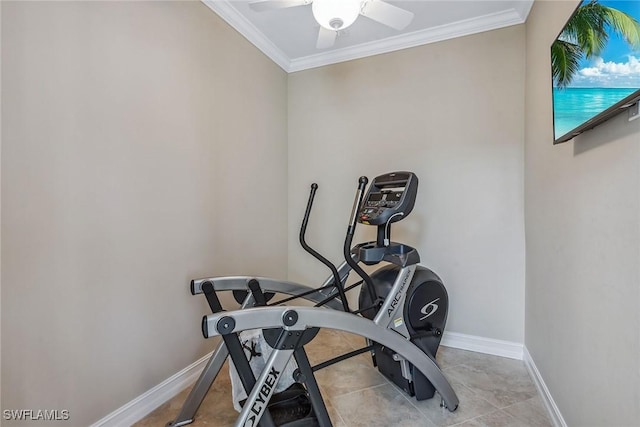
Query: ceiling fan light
[[335, 14]]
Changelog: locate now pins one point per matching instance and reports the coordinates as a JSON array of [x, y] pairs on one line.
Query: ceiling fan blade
[[263, 5], [326, 38], [387, 14]]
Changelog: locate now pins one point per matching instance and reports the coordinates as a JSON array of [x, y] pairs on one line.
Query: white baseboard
[[549, 403], [509, 349], [144, 404]]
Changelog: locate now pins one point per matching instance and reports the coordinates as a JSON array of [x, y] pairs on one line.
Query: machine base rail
[[307, 317]]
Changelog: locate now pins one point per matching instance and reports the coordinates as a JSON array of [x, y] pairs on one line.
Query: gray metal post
[[201, 387], [206, 378]]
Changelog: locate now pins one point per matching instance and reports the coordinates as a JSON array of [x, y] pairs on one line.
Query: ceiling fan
[[336, 15]]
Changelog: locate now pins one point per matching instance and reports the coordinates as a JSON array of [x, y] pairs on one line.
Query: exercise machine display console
[[390, 198]]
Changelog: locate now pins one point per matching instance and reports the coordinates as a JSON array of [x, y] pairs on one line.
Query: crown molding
[[404, 41], [523, 8], [514, 16], [242, 25]]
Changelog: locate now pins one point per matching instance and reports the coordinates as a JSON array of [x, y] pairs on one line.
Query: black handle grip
[[362, 183], [357, 202], [256, 291], [307, 212], [212, 297]]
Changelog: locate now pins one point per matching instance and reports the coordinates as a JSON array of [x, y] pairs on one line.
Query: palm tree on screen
[[587, 34]]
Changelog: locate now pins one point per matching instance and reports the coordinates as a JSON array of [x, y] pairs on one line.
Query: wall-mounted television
[[595, 64]]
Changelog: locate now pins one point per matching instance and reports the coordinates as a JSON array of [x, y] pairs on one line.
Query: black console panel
[[390, 198]]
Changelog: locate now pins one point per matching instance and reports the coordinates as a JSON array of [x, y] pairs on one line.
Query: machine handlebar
[[357, 202], [334, 271]]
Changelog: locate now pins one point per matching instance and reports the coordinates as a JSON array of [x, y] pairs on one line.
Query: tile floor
[[493, 392]]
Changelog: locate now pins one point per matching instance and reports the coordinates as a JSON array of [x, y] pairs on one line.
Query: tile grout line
[[483, 415], [337, 411], [541, 413], [360, 389], [410, 400]]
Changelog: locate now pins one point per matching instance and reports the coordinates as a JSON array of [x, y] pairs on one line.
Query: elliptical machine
[[411, 299], [403, 311]]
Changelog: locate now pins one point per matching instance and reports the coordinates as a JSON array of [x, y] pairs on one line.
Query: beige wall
[[453, 113], [132, 134], [583, 247]]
